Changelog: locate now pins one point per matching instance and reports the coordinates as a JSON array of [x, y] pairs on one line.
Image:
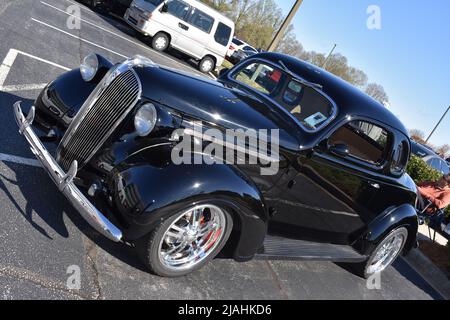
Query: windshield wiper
[[296, 77]]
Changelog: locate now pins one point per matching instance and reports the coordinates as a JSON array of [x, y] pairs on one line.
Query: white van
[[187, 25]]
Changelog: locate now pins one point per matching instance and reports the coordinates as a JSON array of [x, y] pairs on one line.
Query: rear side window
[[365, 141], [178, 9], [400, 158], [201, 20], [223, 34]]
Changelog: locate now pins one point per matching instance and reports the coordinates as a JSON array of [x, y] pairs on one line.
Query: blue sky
[[409, 56]]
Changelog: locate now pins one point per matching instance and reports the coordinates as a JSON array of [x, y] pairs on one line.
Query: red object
[[440, 197], [275, 75]]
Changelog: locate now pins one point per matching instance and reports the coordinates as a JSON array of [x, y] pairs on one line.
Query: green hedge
[[420, 172]]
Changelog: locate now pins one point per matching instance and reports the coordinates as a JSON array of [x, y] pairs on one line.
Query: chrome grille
[[104, 110]]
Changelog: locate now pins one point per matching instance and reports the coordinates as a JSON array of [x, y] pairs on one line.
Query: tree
[[289, 44], [417, 135], [377, 92], [443, 150]]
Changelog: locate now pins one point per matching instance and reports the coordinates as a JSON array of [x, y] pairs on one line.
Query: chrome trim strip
[[64, 181], [305, 82]]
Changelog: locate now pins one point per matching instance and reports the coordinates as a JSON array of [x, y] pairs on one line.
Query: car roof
[[420, 150], [349, 99]]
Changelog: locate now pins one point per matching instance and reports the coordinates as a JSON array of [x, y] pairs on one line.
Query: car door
[[174, 20], [332, 189], [197, 33]]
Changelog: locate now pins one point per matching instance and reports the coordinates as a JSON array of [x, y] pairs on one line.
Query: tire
[[160, 42], [207, 64], [173, 234], [368, 268]]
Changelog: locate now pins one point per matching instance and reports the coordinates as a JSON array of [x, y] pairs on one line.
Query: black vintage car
[[340, 192]]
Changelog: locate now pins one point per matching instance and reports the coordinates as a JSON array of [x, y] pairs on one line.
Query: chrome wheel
[[387, 251], [192, 237]]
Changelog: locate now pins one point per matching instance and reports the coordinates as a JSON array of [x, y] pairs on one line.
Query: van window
[[178, 9], [223, 34], [201, 20], [365, 141]]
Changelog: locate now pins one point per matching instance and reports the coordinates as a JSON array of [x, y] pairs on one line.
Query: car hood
[[198, 98]]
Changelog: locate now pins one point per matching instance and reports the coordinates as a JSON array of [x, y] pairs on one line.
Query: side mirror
[[339, 149], [165, 8], [223, 71]]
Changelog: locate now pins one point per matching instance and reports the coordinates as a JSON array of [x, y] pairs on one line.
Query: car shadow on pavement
[[33, 194]]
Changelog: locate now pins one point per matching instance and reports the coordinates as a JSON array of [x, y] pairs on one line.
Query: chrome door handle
[[374, 185]]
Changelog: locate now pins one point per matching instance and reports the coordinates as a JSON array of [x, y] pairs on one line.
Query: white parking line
[[117, 35], [20, 160], [79, 38], [8, 62]]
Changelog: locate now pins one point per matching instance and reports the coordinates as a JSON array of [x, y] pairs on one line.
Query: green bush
[[421, 172]]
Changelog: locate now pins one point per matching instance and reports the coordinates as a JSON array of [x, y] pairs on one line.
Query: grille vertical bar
[[99, 117]]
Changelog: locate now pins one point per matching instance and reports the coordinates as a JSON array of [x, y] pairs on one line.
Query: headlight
[[145, 119], [89, 67]]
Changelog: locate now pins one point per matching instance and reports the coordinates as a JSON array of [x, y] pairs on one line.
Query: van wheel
[[160, 42], [186, 241], [207, 64]]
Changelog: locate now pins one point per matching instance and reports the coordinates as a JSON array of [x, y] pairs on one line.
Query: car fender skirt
[[150, 188], [404, 215]]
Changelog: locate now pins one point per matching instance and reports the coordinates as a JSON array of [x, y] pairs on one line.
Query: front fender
[[405, 215], [60, 101], [149, 188]]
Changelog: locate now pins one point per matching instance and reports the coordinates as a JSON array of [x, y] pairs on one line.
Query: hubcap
[[207, 65], [192, 237], [161, 43], [387, 251]]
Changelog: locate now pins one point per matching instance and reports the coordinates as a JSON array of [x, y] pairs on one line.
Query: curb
[[426, 269]]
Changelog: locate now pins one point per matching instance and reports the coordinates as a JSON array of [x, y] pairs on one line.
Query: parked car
[[430, 157], [186, 25], [117, 7], [448, 161], [240, 55], [237, 44], [341, 192]]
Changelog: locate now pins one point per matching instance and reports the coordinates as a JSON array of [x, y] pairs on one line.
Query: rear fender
[[404, 215]]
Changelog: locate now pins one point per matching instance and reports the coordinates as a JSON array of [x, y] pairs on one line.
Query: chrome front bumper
[[64, 181]]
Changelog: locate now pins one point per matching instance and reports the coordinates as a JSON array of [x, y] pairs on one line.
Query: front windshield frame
[[247, 62]]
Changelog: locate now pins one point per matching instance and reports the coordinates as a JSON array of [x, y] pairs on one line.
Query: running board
[[277, 248]]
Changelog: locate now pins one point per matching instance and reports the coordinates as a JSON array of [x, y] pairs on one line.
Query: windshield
[[310, 107]]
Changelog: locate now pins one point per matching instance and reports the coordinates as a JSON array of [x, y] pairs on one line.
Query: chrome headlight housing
[[145, 119], [89, 67]]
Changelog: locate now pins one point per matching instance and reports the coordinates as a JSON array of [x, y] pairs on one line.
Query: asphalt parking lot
[[41, 236]]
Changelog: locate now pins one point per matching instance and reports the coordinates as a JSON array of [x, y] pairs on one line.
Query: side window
[[400, 158], [223, 34], [365, 141], [178, 9], [261, 77], [201, 20]]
